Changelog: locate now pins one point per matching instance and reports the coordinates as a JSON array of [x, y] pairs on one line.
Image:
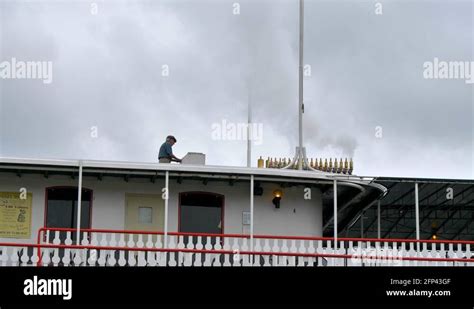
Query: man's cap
[[171, 137]]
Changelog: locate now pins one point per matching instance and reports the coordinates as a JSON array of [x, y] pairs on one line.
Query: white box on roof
[[196, 158]]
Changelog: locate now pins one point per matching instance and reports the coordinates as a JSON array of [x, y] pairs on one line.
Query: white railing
[[57, 247]]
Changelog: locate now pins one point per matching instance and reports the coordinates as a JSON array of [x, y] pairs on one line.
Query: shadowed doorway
[[201, 212]]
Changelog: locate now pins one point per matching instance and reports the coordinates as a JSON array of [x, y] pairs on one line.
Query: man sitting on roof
[[166, 153]]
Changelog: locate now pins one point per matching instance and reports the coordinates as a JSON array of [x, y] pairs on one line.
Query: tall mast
[[300, 160], [300, 88], [249, 129]]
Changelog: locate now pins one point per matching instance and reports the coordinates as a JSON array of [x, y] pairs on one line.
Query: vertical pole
[[417, 212], [300, 88], [249, 130], [251, 211], [378, 219], [165, 232], [335, 213], [79, 205], [362, 225]]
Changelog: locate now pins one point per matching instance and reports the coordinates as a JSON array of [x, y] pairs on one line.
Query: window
[[145, 215], [201, 212], [61, 208]]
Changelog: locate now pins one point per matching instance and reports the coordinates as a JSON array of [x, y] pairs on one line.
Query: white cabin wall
[[297, 216], [108, 205]]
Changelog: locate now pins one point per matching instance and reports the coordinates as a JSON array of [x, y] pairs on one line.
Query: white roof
[[48, 164]]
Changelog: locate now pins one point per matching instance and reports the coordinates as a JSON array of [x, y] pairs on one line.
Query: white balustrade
[[311, 250], [180, 245], [217, 246], [198, 256], [289, 251], [4, 256], [24, 257], [227, 258], [160, 256], [171, 255], [257, 248], [14, 257]]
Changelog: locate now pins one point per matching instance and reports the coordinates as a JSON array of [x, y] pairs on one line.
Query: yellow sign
[[15, 214]]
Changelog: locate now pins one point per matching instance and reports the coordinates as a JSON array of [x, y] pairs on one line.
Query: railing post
[[38, 249], [378, 219], [79, 204], [165, 236], [417, 218], [417, 212], [251, 212], [335, 214]]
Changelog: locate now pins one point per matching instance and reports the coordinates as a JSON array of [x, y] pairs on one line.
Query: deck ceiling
[[439, 214]]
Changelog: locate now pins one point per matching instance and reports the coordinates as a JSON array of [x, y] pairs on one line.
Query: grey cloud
[[366, 72]]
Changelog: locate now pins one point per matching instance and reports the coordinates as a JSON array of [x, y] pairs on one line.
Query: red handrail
[[213, 251], [134, 232], [391, 240]]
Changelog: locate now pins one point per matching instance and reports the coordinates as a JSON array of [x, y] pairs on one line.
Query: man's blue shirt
[[165, 151]]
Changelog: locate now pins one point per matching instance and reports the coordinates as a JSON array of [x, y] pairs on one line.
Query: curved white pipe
[[362, 191], [382, 195]]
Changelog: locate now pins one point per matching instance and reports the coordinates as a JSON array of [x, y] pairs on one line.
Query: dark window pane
[[62, 210], [59, 213], [200, 219]]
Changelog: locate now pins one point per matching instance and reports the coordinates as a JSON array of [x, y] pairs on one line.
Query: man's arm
[[175, 158], [172, 156]]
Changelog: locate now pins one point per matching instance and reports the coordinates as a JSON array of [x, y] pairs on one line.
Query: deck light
[[434, 230], [277, 194]]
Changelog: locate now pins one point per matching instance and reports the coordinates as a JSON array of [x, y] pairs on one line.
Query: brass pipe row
[[343, 167]]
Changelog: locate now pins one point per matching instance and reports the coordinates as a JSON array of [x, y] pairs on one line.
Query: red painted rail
[[390, 240], [42, 230], [291, 254], [295, 254]]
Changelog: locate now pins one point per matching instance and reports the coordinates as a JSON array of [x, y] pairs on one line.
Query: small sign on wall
[[15, 215]]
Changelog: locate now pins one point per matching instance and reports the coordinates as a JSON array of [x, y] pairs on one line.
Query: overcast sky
[[109, 100]]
